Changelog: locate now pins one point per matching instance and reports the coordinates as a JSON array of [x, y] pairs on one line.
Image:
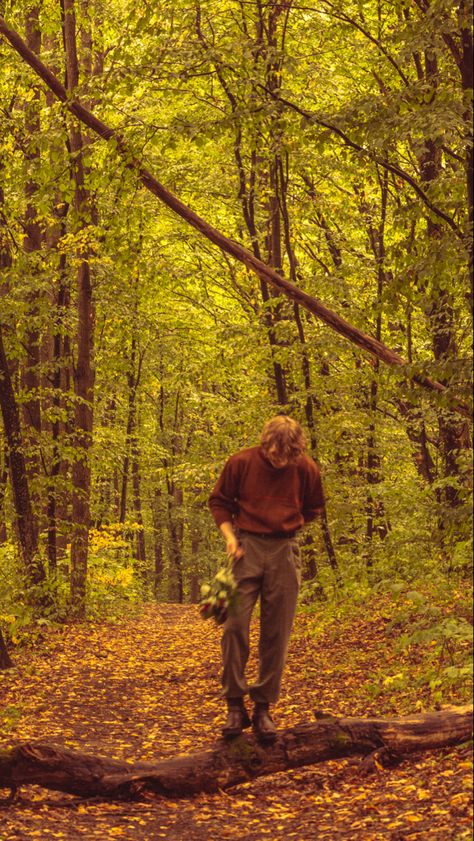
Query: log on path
[[227, 764]]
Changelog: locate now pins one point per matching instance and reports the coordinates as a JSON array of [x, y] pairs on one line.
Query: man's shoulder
[[308, 465], [244, 456]]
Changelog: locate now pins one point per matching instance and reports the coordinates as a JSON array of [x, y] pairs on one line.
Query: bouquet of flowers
[[219, 598]]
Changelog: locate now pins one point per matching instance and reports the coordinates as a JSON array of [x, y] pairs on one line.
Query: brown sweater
[[263, 499]]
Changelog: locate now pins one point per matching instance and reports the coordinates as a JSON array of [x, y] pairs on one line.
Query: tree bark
[[231, 763], [266, 273], [137, 508], [26, 524], [5, 661], [3, 493], [32, 242], [83, 372], [157, 516], [376, 523], [306, 370], [175, 528], [440, 311]]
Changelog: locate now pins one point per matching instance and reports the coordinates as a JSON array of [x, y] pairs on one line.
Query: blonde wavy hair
[[283, 438]]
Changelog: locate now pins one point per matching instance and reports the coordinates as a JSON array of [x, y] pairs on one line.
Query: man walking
[[263, 496]]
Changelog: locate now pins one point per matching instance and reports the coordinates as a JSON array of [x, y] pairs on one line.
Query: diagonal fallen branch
[[227, 764]]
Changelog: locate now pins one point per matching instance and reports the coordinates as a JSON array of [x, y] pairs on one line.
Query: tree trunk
[[133, 381], [137, 507], [194, 574], [83, 371], [3, 493], [60, 359], [175, 527], [306, 370], [57, 501], [376, 523], [32, 242], [25, 520], [157, 515], [26, 525], [462, 51], [231, 763], [5, 661], [440, 312]]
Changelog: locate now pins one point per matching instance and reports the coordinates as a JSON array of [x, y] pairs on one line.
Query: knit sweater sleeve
[[223, 499], [313, 499]]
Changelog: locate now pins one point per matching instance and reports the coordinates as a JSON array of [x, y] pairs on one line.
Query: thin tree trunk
[[305, 366], [32, 242], [59, 492], [376, 523], [194, 575], [25, 520], [128, 433], [3, 493], [83, 372], [137, 507], [26, 525], [157, 542], [175, 527], [5, 659]]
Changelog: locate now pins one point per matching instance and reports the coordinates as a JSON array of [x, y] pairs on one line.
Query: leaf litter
[[148, 689]]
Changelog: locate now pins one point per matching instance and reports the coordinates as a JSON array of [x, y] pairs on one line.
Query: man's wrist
[[227, 530]]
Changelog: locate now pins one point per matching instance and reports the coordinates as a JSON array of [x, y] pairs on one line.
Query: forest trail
[[148, 688]]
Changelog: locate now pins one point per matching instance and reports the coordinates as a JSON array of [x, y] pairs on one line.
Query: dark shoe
[[237, 720], [264, 725]]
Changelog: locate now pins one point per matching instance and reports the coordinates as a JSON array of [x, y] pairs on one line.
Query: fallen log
[[227, 764]]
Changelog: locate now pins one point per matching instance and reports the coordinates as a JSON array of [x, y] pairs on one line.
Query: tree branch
[[373, 157]]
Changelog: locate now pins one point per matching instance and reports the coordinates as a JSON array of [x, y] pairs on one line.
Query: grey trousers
[[270, 569]]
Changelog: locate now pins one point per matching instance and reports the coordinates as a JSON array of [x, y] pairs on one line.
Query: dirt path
[[149, 688]]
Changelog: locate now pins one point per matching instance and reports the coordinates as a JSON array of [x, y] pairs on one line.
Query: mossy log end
[[227, 764]]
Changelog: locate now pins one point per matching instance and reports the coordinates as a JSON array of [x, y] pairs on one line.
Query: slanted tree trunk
[[231, 763]]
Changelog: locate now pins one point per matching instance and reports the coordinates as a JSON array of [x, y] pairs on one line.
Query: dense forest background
[[332, 140]]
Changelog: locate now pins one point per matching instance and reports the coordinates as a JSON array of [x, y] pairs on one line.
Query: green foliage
[[26, 612], [423, 632], [434, 624], [219, 598], [114, 586]]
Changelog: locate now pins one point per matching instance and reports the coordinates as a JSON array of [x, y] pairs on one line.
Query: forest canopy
[[333, 141]]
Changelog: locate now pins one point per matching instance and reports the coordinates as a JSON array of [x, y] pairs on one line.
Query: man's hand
[[233, 547]]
